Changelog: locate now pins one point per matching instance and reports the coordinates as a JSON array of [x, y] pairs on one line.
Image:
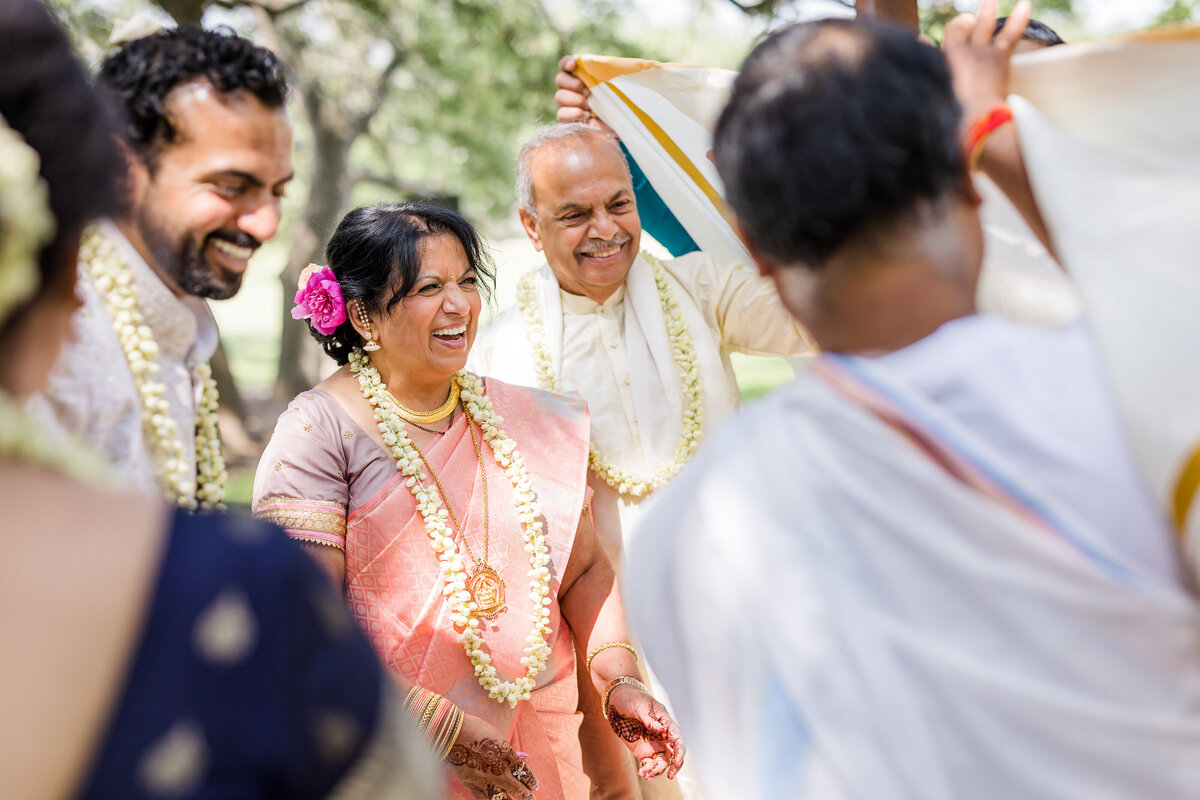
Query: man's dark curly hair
[[141, 75]]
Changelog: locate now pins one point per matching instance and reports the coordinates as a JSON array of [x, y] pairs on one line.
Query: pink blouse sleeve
[[301, 481]]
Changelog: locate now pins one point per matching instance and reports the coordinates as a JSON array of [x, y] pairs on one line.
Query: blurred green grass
[[757, 375], [253, 362]]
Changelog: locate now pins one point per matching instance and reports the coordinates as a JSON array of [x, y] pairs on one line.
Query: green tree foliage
[[393, 99], [1180, 11]]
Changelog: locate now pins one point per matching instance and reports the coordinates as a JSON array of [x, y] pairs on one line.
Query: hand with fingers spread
[[571, 98], [979, 61], [488, 765], [647, 729]]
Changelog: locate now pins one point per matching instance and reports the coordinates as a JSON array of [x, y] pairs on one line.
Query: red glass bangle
[[982, 128]]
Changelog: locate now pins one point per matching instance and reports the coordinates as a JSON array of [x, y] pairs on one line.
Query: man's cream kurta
[[90, 393], [618, 356]]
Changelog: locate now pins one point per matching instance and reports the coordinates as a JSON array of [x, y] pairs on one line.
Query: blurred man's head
[[578, 207], [210, 151], [841, 155]]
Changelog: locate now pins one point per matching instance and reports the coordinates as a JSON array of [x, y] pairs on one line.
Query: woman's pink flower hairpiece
[[319, 299]]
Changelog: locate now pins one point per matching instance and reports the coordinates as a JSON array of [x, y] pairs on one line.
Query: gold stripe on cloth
[[593, 71], [294, 513], [1185, 489], [677, 154], [298, 536]]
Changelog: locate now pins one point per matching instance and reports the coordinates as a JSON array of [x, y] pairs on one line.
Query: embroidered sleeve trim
[[307, 516], [305, 536]]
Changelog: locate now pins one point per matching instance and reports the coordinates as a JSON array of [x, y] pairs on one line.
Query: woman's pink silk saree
[[394, 585]]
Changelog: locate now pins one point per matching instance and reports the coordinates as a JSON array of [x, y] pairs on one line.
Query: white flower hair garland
[[26, 223]]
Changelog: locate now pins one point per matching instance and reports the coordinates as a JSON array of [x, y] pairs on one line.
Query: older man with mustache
[[208, 145], [645, 342]]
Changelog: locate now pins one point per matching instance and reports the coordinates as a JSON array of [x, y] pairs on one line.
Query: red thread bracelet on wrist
[[983, 127]]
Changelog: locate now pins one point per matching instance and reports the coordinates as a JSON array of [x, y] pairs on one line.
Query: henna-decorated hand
[[487, 765], [647, 730]]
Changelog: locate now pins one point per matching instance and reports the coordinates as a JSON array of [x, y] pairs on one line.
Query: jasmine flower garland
[[206, 488], [22, 439], [25, 219], [462, 608], [26, 224], [625, 481]]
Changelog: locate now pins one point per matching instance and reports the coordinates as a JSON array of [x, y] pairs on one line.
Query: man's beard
[[184, 262]]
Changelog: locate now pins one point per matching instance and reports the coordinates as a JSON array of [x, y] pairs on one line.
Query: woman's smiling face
[[429, 333]]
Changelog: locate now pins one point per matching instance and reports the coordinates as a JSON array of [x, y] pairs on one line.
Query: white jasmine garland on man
[[692, 419], [206, 488]]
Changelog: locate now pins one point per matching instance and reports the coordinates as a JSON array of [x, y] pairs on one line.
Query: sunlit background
[[431, 98]]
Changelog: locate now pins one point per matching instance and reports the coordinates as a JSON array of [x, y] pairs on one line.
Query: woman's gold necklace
[[484, 584], [425, 417]]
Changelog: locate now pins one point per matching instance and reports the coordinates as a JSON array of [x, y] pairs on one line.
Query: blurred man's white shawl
[[1111, 136]]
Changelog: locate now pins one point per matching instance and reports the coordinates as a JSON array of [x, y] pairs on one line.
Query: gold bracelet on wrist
[[408, 698], [452, 737], [599, 648], [430, 706], [614, 683]]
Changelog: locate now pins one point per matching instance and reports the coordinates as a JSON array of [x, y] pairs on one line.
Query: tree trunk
[[299, 356], [902, 12], [184, 12], [231, 398]]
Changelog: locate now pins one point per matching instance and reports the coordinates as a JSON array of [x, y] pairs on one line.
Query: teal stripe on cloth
[[657, 219]]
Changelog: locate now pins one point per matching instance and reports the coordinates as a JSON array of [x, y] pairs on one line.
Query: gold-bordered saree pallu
[[394, 585]]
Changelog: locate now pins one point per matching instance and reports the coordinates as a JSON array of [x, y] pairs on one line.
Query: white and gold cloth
[[665, 113], [1111, 135]]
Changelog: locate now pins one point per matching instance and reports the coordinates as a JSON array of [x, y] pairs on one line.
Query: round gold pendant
[[487, 590]]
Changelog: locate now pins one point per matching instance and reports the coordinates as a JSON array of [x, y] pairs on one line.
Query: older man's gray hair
[[556, 134]]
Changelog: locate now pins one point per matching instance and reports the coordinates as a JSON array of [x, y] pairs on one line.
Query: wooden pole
[[903, 12]]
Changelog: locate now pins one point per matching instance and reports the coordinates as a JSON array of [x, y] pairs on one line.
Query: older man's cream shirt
[[618, 356], [91, 395]]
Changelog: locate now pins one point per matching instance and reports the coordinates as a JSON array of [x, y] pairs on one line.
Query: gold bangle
[[430, 706], [454, 736], [614, 683], [443, 732], [599, 648], [408, 698]]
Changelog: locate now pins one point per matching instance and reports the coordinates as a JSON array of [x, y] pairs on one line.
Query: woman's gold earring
[[371, 345]]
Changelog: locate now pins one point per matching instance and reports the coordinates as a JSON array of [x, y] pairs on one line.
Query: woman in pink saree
[[461, 536]]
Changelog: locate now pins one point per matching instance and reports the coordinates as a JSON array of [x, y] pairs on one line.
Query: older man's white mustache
[[595, 247]]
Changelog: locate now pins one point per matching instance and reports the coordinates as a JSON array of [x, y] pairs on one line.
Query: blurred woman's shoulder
[[79, 566]]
